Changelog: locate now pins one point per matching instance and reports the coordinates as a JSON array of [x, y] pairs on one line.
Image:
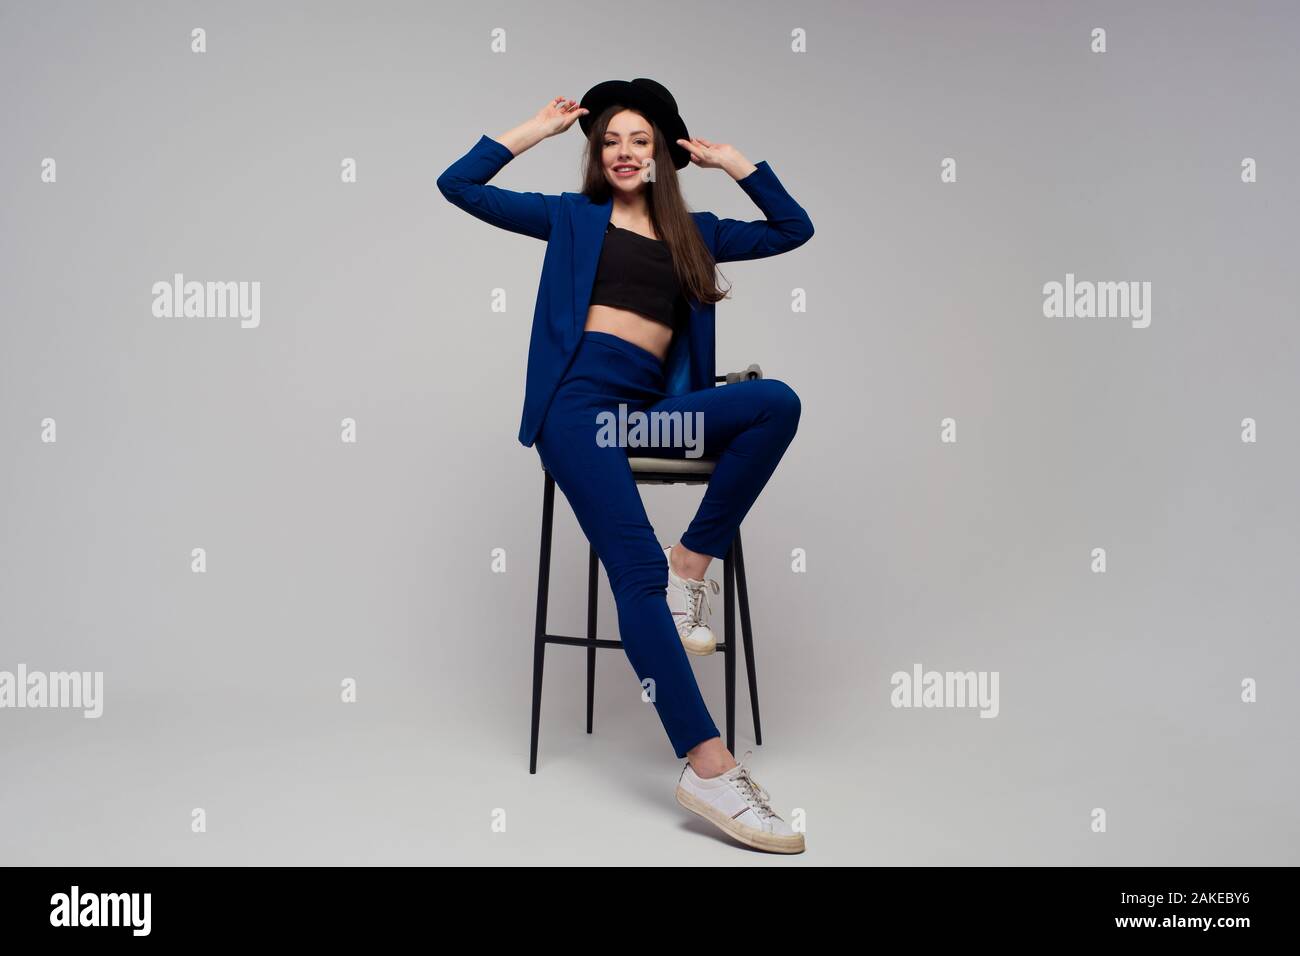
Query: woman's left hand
[[717, 156]]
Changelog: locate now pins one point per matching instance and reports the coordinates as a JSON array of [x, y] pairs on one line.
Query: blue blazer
[[574, 230]]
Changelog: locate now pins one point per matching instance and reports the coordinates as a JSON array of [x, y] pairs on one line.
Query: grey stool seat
[[702, 467], [647, 469]]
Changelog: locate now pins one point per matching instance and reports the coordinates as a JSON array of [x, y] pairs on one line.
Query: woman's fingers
[[701, 151], [565, 110]]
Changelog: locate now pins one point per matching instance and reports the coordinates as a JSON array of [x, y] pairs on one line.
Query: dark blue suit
[[574, 377]]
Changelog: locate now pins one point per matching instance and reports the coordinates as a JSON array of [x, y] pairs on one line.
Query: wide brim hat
[[645, 96]]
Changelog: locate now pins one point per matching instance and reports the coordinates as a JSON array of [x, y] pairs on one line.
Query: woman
[[624, 317]]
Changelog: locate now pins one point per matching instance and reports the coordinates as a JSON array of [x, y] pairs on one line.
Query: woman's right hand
[[558, 115]]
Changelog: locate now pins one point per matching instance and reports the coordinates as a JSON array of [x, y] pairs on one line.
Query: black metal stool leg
[[729, 631], [591, 634], [539, 634], [742, 591]]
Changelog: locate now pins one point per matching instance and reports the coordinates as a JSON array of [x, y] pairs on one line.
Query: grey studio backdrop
[[371, 561]]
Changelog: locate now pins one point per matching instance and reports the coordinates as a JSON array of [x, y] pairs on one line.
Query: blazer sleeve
[[464, 183], [786, 227]]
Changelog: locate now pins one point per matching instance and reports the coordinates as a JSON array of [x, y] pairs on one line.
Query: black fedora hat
[[644, 96]]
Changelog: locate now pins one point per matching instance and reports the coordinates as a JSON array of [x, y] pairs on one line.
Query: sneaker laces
[[752, 791], [698, 594]]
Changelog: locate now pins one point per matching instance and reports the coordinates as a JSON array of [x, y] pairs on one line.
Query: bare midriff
[[652, 336]]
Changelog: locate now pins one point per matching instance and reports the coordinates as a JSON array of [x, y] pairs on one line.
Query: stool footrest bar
[[601, 642]]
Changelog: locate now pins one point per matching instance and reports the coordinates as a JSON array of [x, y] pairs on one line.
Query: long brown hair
[[695, 267]]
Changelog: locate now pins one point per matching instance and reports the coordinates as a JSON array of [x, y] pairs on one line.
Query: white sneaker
[[688, 599], [737, 805]]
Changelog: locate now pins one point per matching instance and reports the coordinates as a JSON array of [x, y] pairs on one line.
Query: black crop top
[[636, 273]]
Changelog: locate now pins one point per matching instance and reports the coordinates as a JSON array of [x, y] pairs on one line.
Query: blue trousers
[[746, 427]]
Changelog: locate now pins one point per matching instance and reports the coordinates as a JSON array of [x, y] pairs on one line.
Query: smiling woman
[[624, 322]]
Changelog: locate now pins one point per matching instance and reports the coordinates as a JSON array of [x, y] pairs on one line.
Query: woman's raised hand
[[712, 155], [558, 115]]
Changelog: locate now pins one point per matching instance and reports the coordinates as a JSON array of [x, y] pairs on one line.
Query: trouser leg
[[599, 486], [747, 426]]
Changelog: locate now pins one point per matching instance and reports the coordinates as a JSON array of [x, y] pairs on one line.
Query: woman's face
[[627, 150]]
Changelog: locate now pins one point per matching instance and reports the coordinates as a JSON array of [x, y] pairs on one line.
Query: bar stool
[[661, 471]]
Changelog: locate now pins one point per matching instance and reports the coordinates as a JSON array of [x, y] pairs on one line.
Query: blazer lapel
[[589, 223]]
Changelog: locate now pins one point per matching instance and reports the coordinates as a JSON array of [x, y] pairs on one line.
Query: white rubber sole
[[700, 650], [771, 842]]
